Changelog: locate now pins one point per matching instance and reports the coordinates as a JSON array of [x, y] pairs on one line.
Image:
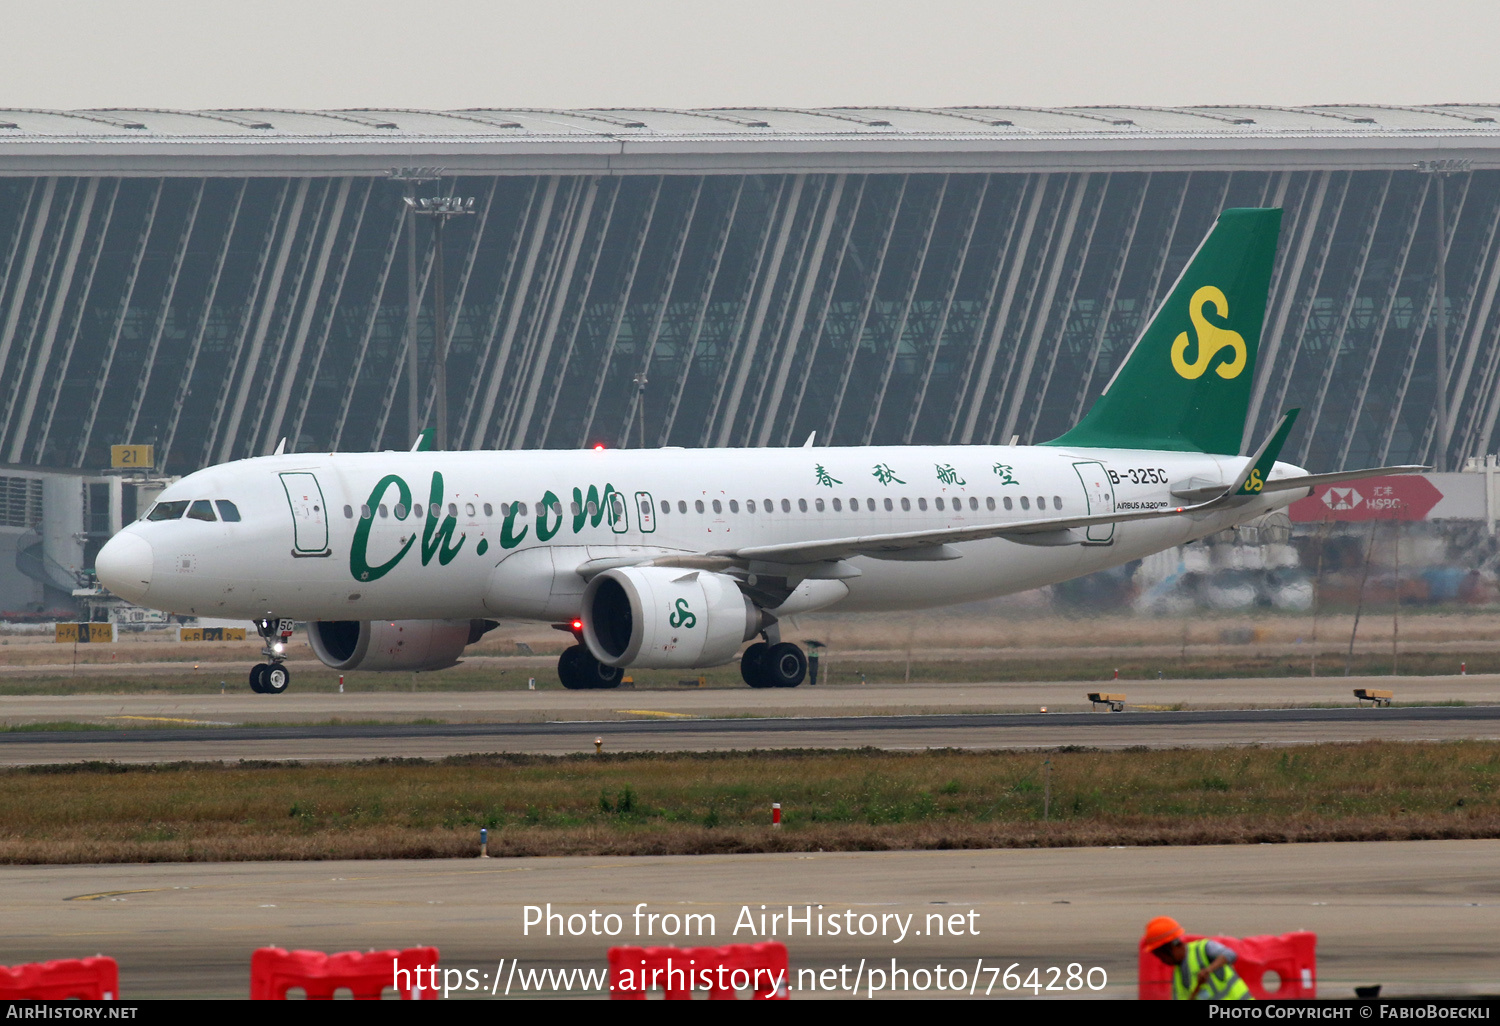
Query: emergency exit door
[[309, 513], [1099, 495]]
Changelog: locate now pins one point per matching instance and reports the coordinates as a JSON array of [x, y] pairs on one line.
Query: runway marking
[[656, 712], [174, 719], [101, 895]]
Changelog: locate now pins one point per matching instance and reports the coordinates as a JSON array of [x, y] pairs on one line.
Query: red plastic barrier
[[274, 971], [718, 972], [87, 979], [1292, 957]]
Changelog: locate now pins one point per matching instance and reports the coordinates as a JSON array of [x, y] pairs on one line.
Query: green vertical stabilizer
[[1185, 386]]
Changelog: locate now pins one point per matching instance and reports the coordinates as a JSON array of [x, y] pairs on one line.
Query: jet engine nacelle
[[394, 644], [666, 618]]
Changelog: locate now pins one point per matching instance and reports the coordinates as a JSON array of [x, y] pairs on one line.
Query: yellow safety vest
[[1224, 985]]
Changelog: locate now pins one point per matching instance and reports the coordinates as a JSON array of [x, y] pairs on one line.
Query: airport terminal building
[[211, 282]]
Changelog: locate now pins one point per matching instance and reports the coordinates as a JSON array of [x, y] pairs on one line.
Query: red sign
[[1402, 497]]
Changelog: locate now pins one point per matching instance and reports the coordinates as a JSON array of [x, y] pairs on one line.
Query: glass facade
[[213, 316]]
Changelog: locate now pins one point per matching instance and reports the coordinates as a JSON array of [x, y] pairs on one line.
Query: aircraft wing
[[921, 545], [924, 545], [1311, 480]]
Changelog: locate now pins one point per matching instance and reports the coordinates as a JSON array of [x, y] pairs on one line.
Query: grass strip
[[689, 803]]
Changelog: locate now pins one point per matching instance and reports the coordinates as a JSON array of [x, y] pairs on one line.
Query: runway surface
[[1418, 917], [1104, 730], [302, 704]]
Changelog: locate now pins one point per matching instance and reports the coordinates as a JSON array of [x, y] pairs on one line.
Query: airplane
[[673, 558]]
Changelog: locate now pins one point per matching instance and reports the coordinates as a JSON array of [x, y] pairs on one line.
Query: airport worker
[[1204, 969]]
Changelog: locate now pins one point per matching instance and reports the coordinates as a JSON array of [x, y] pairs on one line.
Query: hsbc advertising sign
[[1403, 497]]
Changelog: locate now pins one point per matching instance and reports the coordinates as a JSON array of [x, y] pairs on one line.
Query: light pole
[[1441, 169], [440, 209], [640, 402], [411, 177]]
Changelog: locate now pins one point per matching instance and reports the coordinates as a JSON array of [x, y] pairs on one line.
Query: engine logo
[[683, 617]]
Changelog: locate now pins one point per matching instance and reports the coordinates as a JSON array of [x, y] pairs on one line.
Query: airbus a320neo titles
[[674, 558]]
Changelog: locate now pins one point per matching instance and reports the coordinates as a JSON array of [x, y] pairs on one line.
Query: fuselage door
[[619, 516], [1099, 494], [309, 513], [647, 518]]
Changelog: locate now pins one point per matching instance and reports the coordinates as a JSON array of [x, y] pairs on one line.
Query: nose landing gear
[[272, 677]]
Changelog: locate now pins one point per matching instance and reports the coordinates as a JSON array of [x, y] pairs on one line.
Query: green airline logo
[[683, 617]]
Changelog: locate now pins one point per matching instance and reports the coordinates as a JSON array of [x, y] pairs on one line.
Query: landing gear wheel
[[784, 667], [580, 671], [571, 667], [753, 665], [275, 679], [257, 678]]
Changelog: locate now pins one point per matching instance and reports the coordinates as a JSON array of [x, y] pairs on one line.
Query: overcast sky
[[672, 53]]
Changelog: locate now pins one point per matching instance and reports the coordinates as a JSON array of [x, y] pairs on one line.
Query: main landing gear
[[579, 670], [272, 677], [778, 665]]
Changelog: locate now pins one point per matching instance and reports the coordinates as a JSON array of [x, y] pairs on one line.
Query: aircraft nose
[[124, 566]]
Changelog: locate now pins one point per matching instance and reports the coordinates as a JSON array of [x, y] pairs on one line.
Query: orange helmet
[[1161, 930]]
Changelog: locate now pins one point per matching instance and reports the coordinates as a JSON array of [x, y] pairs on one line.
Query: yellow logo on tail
[[1210, 337]]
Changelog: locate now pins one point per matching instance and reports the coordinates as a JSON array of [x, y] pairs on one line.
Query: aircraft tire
[[753, 665], [785, 666], [602, 676], [570, 668], [257, 675], [275, 679]]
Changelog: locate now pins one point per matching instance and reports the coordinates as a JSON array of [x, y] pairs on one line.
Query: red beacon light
[[599, 447], [578, 625]]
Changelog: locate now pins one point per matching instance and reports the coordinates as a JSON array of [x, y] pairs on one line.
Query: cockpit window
[[201, 509], [168, 510], [228, 511]]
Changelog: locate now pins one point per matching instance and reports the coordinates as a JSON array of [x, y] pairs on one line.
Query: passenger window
[[1057, 502], [436, 510], [802, 505], [593, 509], [573, 508], [469, 509], [1041, 502], [905, 505], [888, 506], [698, 505], [168, 510], [922, 503], [786, 505], [939, 501], [770, 506], [400, 511], [364, 512], [230, 513], [718, 506], [682, 505], [989, 503], [418, 508], [201, 509], [645, 508], [453, 509], [974, 503], [1007, 502], [1025, 502], [522, 507], [383, 511], [348, 513], [749, 505], [818, 504], [666, 507], [489, 510], [838, 506], [734, 505]]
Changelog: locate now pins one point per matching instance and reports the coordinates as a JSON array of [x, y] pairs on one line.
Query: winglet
[[280, 447], [1258, 470], [423, 442], [808, 444]]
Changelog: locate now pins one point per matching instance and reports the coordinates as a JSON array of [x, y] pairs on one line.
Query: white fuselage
[[320, 537]]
